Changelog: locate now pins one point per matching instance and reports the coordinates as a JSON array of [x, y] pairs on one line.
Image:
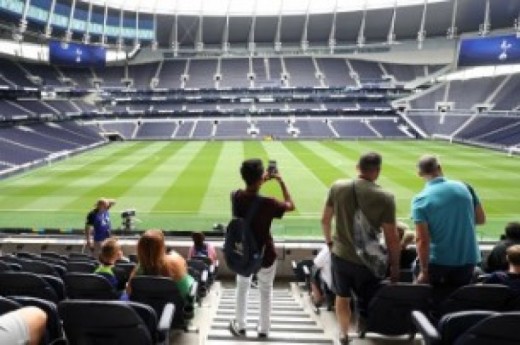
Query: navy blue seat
[[114, 322], [389, 311], [89, 286], [26, 284]]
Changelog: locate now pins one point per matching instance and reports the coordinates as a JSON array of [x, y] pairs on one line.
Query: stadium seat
[[157, 292], [26, 255], [7, 305], [389, 311], [26, 284], [80, 256], [200, 272], [471, 328], [450, 327], [122, 272], [477, 297], [302, 271], [212, 267], [54, 330], [114, 322], [39, 267], [4, 267], [53, 261], [56, 284], [53, 255], [80, 267], [89, 286]]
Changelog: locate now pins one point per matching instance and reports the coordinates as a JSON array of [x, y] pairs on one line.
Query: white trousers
[[265, 287]]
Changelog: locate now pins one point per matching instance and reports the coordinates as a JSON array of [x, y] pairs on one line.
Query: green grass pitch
[[186, 185]]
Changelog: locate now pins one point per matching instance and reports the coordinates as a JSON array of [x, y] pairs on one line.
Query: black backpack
[[242, 253]]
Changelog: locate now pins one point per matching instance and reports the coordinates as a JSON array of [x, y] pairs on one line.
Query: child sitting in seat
[[511, 277], [110, 253], [201, 248]]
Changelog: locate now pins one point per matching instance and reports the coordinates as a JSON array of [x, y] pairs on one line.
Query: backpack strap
[[356, 203], [252, 209]]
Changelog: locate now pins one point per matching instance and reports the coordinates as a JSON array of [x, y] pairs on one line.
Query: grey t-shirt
[[377, 204]]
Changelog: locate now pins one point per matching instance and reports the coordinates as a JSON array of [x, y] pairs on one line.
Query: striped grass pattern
[[186, 185]]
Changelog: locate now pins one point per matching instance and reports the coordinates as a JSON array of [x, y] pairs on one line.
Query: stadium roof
[[253, 7]]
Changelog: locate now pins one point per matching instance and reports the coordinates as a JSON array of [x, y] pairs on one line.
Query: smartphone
[[272, 168]]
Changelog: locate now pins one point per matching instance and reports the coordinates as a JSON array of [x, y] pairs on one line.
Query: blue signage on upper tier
[[74, 54], [496, 50]]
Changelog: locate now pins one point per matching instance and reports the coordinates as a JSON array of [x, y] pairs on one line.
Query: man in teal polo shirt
[[445, 213]]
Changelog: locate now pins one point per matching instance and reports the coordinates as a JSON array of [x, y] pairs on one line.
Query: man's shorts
[[13, 330], [348, 278]]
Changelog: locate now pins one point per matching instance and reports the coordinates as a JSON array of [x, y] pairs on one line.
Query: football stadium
[[127, 127]]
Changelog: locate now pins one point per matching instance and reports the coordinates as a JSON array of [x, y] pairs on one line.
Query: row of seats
[[98, 322], [406, 308], [57, 279]]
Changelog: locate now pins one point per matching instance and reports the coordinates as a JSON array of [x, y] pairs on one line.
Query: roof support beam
[[68, 33], [175, 35], [452, 31], [199, 43], [136, 39], [121, 39], [278, 37], [23, 20], [86, 35], [155, 42], [105, 17], [251, 46], [48, 26], [199, 39], [332, 35], [485, 27], [361, 33], [421, 34], [304, 40], [391, 31], [225, 35]]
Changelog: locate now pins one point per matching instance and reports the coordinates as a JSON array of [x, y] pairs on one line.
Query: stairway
[[290, 323]]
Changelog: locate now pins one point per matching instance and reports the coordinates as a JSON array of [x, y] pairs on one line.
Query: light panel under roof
[[250, 7]]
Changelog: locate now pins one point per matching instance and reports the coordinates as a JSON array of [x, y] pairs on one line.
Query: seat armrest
[[204, 276], [165, 321], [306, 271], [193, 290], [430, 334]]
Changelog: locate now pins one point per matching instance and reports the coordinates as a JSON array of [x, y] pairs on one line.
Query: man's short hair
[[370, 161], [512, 231], [252, 171], [428, 165], [513, 255]]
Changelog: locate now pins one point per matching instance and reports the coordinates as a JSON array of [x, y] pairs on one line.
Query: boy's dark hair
[[252, 171], [370, 161], [513, 231], [198, 239], [513, 255]]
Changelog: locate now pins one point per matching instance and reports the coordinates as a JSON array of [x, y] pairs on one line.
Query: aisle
[[291, 324]]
